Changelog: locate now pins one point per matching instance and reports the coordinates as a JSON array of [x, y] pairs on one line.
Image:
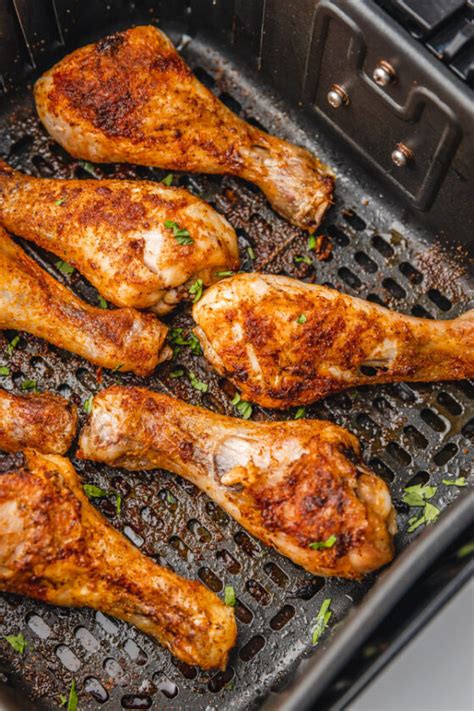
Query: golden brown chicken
[[45, 422], [141, 244], [57, 548], [31, 300], [131, 98], [285, 342], [299, 486]]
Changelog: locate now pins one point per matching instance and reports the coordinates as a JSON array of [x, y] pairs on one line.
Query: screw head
[[384, 74], [337, 97], [401, 155]]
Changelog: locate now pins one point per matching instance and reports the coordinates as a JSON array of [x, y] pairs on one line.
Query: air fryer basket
[[410, 433]]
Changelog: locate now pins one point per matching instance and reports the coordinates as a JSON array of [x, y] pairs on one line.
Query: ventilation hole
[[67, 658], [382, 246], [365, 262], [204, 77], [210, 579], [42, 166], [410, 273], [180, 547], [403, 392], [20, 147], [445, 454], [114, 670], [39, 627], [449, 403], [420, 312], [65, 391], [375, 298], [199, 530], [342, 400], [339, 237], [228, 561], [216, 514], [106, 623], [189, 488], [134, 701], [349, 278], [432, 420], [400, 455], [87, 639], [466, 387], [133, 536], [246, 543], [468, 429], [230, 102], [253, 121], [415, 438], [165, 685], [419, 478], [86, 378], [186, 670], [135, 652], [394, 288], [243, 613], [381, 469], [282, 617], [276, 574], [367, 424], [437, 298], [93, 687], [150, 518], [258, 592], [370, 370], [220, 680], [309, 589], [382, 405], [356, 222], [252, 648]]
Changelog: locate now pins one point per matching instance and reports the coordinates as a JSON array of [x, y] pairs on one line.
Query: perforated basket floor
[[411, 433]]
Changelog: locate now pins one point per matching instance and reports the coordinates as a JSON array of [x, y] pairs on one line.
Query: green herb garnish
[[118, 367], [328, 543], [465, 550], [418, 494], [229, 596], [102, 302], [460, 481], [170, 499], [181, 236], [244, 408], [197, 384], [177, 339], [95, 492], [168, 179], [301, 319], [321, 621], [303, 258], [300, 413], [178, 373], [429, 515], [64, 267], [87, 406], [13, 344], [17, 641], [118, 504], [72, 698], [311, 242], [195, 290], [29, 385], [4, 370], [224, 274], [59, 202], [89, 168], [251, 252]]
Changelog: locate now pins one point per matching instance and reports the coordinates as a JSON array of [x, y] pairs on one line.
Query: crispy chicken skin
[[288, 483], [284, 342], [43, 421], [31, 300], [114, 232], [57, 548], [132, 98]]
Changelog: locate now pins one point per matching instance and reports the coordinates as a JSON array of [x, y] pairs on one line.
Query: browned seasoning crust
[[44, 421], [56, 547], [285, 342], [288, 483], [132, 98], [31, 300]]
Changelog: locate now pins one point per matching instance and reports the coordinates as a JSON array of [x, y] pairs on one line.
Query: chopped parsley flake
[[418, 494], [71, 699], [29, 385], [168, 179], [177, 339], [95, 492], [300, 413], [229, 596], [17, 641], [178, 373], [224, 274], [460, 481], [181, 236], [328, 543], [303, 258], [118, 504], [251, 253], [311, 242], [195, 290], [118, 367], [64, 267], [321, 621], [429, 515], [243, 408], [13, 344], [197, 384], [102, 302], [465, 550], [89, 168], [4, 370], [170, 499], [59, 202], [301, 319], [87, 406]]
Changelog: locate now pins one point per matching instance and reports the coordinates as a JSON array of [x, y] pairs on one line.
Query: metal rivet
[[401, 155], [384, 74], [337, 97]]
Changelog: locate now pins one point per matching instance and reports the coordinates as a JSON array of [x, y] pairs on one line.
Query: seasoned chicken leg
[[45, 421], [115, 233], [285, 342], [32, 301], [131, 98], [57, 548], [298, 486]]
